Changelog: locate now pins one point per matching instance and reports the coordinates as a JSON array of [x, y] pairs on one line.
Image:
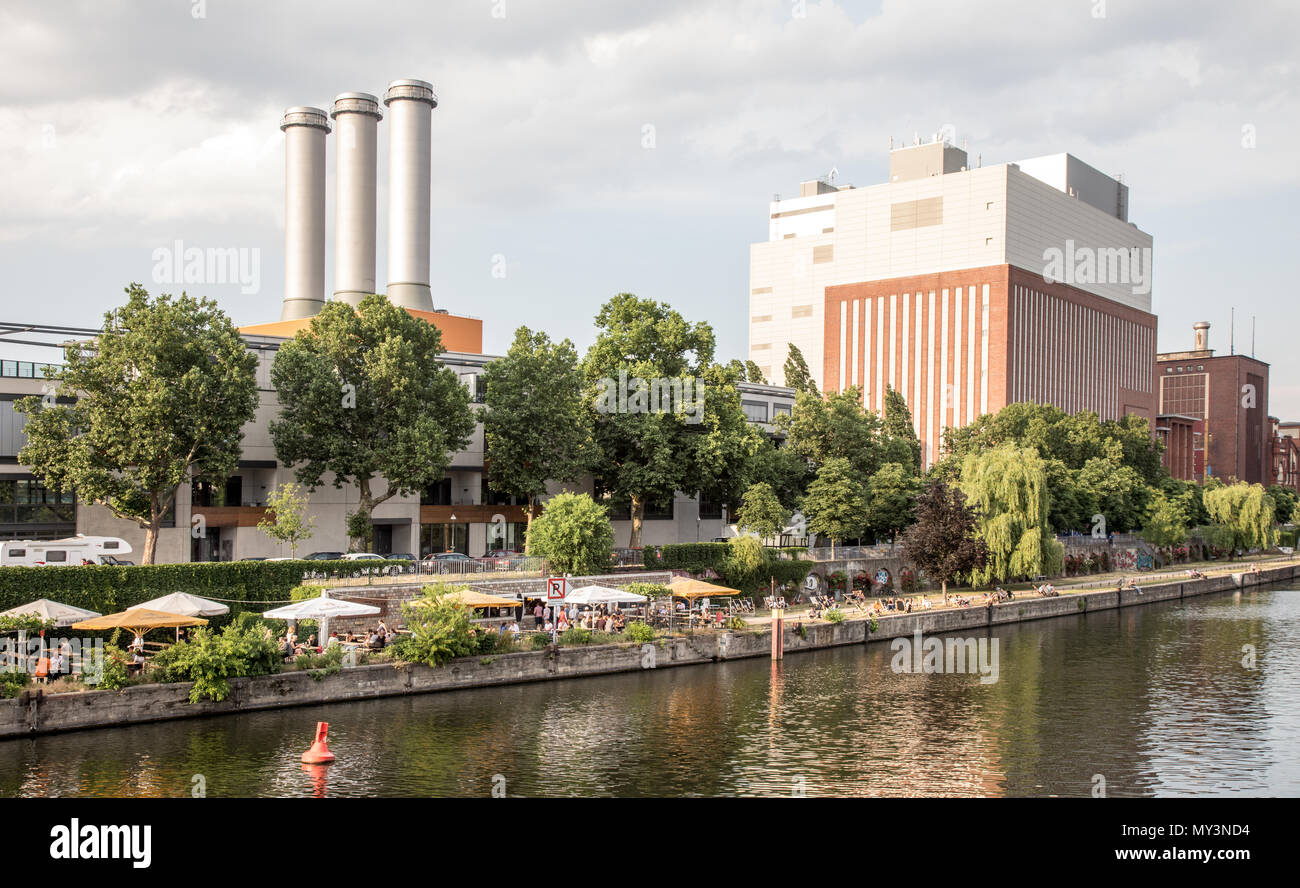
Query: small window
[[18, 553], [110, 544], [755, 411], [781, 409], [56, 556]]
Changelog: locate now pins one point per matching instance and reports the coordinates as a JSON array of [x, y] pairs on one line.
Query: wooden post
[[778, 634]]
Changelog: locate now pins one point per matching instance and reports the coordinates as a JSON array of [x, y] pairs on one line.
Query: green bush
[[640, 632], [209, 658], [539, 641], [12, 682], [440, 629], [575, 635], [834, 615]]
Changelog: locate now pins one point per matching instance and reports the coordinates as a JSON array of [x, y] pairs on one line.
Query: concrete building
[[458, 513], [1286, 453], [963, 288], [1229, 394]]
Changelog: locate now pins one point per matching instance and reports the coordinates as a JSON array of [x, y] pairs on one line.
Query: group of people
[[892, 605], [375, 639], [1047, 590]]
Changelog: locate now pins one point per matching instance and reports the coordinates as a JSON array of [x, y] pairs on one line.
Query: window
[[755, 411], [782, 409], [823, 254], [56, 556], [18, 553], [437, 494], [710, 509]]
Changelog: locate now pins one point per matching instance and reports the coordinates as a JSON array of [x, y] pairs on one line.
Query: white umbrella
[[187, 604], [603, 595], [321, 609], [60, 614]]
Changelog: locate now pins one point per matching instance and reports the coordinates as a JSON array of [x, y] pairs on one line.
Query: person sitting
[[374, 641], [136, 665], [334, 638], [925, 603], [514, 627]]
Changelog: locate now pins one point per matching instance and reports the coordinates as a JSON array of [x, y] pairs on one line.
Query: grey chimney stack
[[410, 108], [304, 211], [357, 116]]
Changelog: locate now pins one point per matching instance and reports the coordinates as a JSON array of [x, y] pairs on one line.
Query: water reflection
[[1155, 699]]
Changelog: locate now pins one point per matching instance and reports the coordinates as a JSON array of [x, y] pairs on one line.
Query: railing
[[853, 553], [628, 558], [440, 567]]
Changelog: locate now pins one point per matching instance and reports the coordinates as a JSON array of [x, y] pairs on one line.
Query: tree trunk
[[360, 542], [638, 516], [150, 540], [944, 586]]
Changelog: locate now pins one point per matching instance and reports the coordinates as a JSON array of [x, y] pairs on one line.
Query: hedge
[[111, 588]]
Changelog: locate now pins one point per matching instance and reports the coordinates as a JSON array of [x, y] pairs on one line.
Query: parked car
[[323, 556], [113, 559], [501, 557], [253, 559], [400, 556], [362, 556]]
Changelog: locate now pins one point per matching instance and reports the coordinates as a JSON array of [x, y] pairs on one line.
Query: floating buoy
[[319, 754]]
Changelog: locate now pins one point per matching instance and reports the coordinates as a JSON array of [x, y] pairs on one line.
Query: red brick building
[[959, 344], [1230, 394]]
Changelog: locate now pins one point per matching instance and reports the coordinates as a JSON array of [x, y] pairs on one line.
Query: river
[[1152, 700]]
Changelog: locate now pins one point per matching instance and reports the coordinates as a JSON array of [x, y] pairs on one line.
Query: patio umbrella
[[51, 611], [689, 589], [603, 595], [185, 603], [474, 599], [321, 609], [140, 620]]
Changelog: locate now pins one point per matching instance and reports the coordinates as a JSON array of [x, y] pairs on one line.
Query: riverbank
[[36, 713]]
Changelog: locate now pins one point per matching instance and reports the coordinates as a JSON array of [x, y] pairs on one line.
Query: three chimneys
[[357, 115]]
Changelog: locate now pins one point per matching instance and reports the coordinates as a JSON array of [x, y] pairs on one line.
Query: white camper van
[[71, 550]]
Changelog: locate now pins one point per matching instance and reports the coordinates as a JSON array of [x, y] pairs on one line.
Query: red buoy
[[319, 754]]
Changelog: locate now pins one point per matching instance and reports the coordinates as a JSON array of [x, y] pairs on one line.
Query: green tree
[[1285, 501], [797, 374], [1007, 487], [944, 541], [1165, 522], [536, 423], [363, 396], [155, 401], [761, 511], [286, 519], [898, 426], [1116, 492], [837, 427], [891, 499], [665, 417], [573, 534], [835, 505], [1245, 511], [754, 374]]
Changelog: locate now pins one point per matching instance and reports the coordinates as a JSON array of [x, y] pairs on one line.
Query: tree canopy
[[363, 397], [157, 400]]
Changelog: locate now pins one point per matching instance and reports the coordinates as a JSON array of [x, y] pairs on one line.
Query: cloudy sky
[[127, 126]]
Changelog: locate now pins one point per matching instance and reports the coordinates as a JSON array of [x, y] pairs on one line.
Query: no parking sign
[[557, 588]]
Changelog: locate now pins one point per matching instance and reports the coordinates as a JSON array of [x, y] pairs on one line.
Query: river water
[[1151, 700]]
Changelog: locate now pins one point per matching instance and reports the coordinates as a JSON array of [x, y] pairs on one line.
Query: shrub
[[12, 682], [539, 641], [440, 629], [641, 633], [575, 635], [209, 658], [834, 615], [737, 623]]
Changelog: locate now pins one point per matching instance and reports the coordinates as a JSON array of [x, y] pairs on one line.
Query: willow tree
[[1245, 511], [364, 399], [157, 400], [1007, 488]]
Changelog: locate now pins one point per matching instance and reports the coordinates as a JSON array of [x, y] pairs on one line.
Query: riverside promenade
[[36, 712]]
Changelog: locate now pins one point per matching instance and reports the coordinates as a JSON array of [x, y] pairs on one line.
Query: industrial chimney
[[410, 104], [357, 116], [304, 211], [1201, 336]]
